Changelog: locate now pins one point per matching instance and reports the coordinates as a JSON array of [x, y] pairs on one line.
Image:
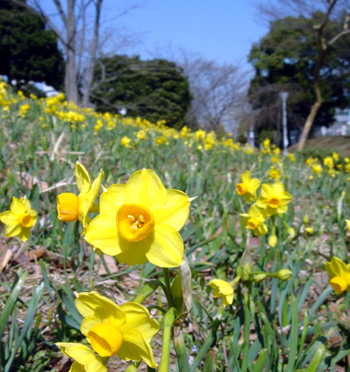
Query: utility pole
[[284, 96]]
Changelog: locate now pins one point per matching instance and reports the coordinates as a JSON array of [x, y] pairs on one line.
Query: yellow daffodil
[[139, 221], [339, 275], [19, 219], [328, 162], [274, 173], [71, 207], [123, 330], [274, 199], [125, 141], [317, 168], [84, 358], [247, 187], [292, 157], [254, 220], [222, 290]]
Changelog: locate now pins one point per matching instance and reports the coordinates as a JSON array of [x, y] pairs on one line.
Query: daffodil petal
[[24, 234], [76, 367], [102, 233], [338, 267], [26, 202], [267, 190], [285, 198], [145, 187], [136, 347], [261, 202], [176, 210], [279, 187], [8, 217], [83, 355], [87, 323], [17, 207], [91, 195], [139, 318], [112, 198], [224, 287], [254, 184], [329, 270], [245, 177], [82, 177], [167, 249], [13, 229], [91, 304]]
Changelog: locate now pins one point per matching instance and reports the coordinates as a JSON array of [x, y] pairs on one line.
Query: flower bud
[[348, 224], [284, 275], [176, 289], [310, 230], [259, 278], [291, 232], [247, 269], [306, 219], [272, 240]]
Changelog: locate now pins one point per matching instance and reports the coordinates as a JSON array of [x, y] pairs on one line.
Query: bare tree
[[306, 8], [73, 30], [217, 90]]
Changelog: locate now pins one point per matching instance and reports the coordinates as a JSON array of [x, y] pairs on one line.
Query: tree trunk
[[308, 124], [71, 86], [90, 72]]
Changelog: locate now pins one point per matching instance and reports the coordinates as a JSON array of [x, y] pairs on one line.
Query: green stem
[[168, 322], [246, 331], [147, 290], [156, 307], [168, 289], [181, 352]]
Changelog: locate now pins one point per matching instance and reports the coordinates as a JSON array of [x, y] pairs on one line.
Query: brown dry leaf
[[29, 180], [35, 254], [5, 258]]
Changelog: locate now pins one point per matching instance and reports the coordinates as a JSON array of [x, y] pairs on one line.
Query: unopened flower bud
[[284, 275], [176, 288], [348, 224], [306, 219], [259, 278], [310, 230], [247, 269], [291, 232], [272, 240]]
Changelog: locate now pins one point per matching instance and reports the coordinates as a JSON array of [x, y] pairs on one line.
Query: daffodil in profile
[[85, 359], [274, 199], [254, 220], [139, 221], [71, 207], [123, 330], [247, 187], [222, 290], [339, 275], [19, 219]]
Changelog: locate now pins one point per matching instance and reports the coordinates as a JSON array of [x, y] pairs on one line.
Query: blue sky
[[222, 30]]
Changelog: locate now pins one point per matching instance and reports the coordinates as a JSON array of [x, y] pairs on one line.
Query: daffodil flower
[[19, 219], [84, 358], [222, 290], [71, 207], [274, 199], [339, 275], [254, 220], [247, 187], [123, 330], [139, 221]]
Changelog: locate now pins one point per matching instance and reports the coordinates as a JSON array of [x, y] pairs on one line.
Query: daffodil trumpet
[[71, 207]]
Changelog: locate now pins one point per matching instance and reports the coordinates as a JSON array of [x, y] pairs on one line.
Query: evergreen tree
[[154, 89], [28, 50]]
